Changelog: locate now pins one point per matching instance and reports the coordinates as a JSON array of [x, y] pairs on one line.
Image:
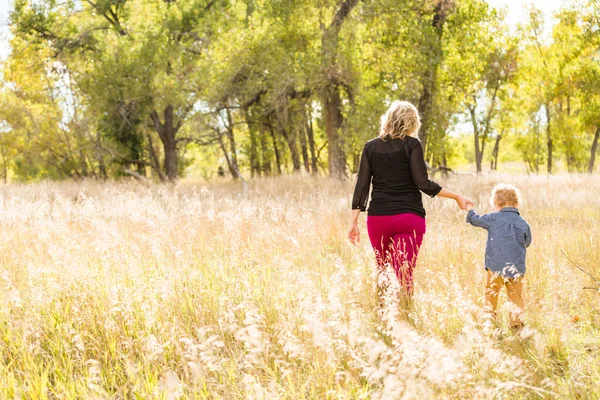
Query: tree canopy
[[106, 88]]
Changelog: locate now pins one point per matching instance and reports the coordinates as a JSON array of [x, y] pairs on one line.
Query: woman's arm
[[361, 196], [353, 232], [363, 183], [462, 201], [418, 170]]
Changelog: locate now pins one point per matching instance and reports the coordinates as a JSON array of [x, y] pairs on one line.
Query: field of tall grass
[[125, 290]]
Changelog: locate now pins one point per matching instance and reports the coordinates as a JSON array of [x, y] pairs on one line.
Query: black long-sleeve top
[[397, 170]]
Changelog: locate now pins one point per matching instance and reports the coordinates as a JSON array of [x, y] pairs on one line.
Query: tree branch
[[342, 13], [114, 21], [136, 175], [156, 165], [581, 269], [158, 125]]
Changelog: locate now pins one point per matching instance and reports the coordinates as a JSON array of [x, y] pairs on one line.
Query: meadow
[[207, 291]]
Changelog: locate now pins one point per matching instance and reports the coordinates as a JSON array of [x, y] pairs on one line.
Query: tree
[[335, 79], [130, 87], [587, 76], [484, 104], [150, 67]]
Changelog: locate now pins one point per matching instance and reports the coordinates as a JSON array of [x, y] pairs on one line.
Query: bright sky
[[516, 14], [4, 32], [517, 9]]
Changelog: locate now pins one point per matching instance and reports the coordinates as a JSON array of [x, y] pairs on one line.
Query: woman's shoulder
[[370, 144], [412, 141], [385, 145]]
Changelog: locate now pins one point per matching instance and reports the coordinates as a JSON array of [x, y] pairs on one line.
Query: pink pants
[[396, 239]]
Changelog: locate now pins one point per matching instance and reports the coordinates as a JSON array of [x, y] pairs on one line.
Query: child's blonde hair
[[504, 195]]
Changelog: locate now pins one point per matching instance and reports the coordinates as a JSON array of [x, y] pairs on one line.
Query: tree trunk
[[226, 155], [265, 165], [83, 164], [235, 170], [332, 102], [311, 142], [478, 147], [430, 72], [481, 133], [100, 157], [4, 166], [141, 168], [549, 138], [167, 131], [478, 154], [538, 147], [527, 163], [171, 161], [333, 127], [593, 151], [102, 167], [254, 161], [424, 107], [355, 160], [304, 149], [154, 158], [275, 150], [571, 162], [494, 166], [483, 142], [293, 146]]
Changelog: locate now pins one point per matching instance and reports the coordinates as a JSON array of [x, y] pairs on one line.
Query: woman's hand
[[463, 202], [353, 233]]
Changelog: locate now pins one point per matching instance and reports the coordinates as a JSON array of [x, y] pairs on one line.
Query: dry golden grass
[[128, 291]]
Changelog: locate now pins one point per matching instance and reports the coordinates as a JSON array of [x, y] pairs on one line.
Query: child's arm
[[482, 221], [528, 236]]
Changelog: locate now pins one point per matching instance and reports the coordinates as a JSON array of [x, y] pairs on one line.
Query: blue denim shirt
[[509, 235]]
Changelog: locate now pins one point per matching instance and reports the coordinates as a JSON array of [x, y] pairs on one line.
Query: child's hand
[[469, 207]]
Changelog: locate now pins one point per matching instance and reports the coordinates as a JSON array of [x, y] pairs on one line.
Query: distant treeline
[[102, 88]]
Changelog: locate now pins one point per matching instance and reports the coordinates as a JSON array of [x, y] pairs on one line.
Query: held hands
[[464, 203]]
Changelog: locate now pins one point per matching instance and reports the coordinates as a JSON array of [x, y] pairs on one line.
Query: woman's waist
[[387, 197], [384, 210]]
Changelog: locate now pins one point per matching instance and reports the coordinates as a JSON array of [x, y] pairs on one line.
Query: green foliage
[[113, 87]]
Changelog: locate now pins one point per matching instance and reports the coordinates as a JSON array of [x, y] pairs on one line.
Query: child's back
[[508, 237]]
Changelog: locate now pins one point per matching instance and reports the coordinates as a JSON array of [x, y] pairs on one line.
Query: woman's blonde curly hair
[[400, 120]]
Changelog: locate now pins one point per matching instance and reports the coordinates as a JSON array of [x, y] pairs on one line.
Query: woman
[[395, 165]]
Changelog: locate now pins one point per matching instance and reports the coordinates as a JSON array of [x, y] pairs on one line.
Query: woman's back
[[397, 170]]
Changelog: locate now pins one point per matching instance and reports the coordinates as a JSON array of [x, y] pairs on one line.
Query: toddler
[[508, 237]]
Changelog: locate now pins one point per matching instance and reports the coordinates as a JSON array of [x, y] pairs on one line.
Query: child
[[508, 237]]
